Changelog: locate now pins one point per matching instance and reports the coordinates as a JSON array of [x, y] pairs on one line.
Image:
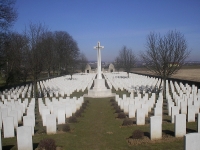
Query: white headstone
[[180, 125], [14, 114], [155, 127], [192, 141], [175, 111], [132, 110], [183, 107], [28, 121], [8, 127], [61, 116], [44, 113], [24, 138], [51, 124], [198, 123], [191, 113], [140, 116]]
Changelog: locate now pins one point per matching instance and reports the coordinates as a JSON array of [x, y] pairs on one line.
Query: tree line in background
[[39, 50]]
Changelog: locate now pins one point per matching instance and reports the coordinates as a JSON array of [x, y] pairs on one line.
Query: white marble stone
[[126, 107], [198, 123], [0, 121], [191, 113], [175, 111], [61, 116], [8, 127], [155, 127], [158, 111], [183, 107], [140, 116], [192, 141], [68, 111], [180, 125], [44, 113], [51, 124], [28, 121], [24, 138], [145, 107], [132, 110], [0, 141], [14, 114]]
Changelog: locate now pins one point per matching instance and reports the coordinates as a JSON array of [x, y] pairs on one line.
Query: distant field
[[191, 73]]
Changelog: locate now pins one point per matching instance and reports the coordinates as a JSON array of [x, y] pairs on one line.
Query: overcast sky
[[114, 23]]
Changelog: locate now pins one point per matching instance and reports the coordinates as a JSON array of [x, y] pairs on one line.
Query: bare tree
[[7, 14], [13, 57], [117, 63], [165, 55], [127, 59], [83, 61], [47, 46], [34, 34]]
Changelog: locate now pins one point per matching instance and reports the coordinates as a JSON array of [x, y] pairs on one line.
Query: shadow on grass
[[168, 132], [165, 113], [147, 134], [35, 145], [7, 147], [167, 120], [190, 130]]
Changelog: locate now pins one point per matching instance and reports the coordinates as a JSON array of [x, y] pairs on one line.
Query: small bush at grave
[[78, 113], [121, 115], [127, 122], [72, 119], [47, 144], [138, 134], [112, 100], [66, 128], [118, 110]]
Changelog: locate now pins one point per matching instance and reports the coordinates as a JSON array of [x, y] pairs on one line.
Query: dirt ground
[[192, 74]]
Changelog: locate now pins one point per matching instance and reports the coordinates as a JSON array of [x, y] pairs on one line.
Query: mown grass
[[99, 129]]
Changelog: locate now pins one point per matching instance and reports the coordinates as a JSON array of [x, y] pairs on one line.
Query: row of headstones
[[18, 92], [191, 140], [139, 107], [58, 109], [24, 133], [184, 105], [11, 115], [134, 82], [62, 87]]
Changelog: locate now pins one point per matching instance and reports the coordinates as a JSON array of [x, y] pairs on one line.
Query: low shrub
[[66, 128], [127, 122], [121, 115], [118, 110], [47, 144], [112, 100], [72, 119], [138, 134], [78, 113]]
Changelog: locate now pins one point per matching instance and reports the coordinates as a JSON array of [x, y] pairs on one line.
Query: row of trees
[[37, 50], [164, 55]]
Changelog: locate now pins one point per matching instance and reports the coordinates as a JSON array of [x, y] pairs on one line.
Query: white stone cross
[[98, 47]]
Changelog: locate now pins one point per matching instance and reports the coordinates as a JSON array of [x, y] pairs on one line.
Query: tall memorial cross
[[98, 47]]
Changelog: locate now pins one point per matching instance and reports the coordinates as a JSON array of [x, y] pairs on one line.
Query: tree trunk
[[164, 88], [35, 88]]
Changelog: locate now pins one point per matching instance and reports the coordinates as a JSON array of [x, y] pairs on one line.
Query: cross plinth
[[98, 47]]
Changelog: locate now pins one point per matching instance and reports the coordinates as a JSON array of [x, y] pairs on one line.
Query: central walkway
[[98, 128]]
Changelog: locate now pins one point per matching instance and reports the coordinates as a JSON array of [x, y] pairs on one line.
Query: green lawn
[[99, 129]]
